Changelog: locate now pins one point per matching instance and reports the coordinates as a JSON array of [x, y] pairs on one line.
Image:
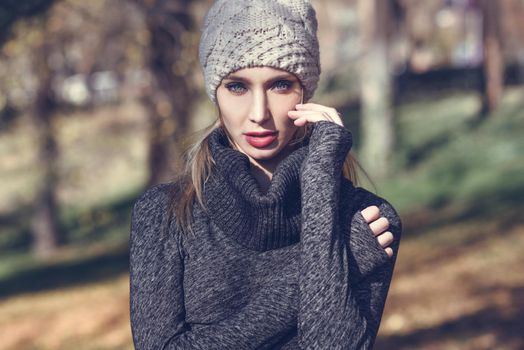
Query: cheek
[[232, 121], [231, 109], [281, 105]]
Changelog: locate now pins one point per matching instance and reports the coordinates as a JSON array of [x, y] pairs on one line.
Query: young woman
[[263, 242]]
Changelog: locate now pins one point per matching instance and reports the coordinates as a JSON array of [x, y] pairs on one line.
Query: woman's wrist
[[329, 139]]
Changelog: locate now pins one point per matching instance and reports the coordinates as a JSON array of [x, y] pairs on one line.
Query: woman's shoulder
[[152, 215], [155, 197], [156, 194], [158, 200], [363, 198]]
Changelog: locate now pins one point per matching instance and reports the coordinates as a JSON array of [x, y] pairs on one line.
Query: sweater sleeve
[[332, 313], [366, 255], [157, 297], [371, 277]]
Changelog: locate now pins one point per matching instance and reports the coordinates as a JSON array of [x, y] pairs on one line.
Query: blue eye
[[282, 85], [236, 88]]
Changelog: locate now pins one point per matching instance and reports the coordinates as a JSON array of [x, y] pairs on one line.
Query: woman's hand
[[379, 226], [312, 112]]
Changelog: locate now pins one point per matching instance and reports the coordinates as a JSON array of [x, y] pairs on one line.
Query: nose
[[259, 107]]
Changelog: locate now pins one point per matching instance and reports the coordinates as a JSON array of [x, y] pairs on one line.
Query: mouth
[[261, 139], [261, 133]]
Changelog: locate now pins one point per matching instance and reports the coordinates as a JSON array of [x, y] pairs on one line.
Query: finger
[[303, 113], [385, 239], [316, 107], [300, 122], [389, 251], [328, 112], [312, 117], [303, 119], [371, 213], [379, 226]]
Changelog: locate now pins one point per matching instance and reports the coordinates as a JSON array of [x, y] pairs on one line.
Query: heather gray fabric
[[252, 33], [315, 278]]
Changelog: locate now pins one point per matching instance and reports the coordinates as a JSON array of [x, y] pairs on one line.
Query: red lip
[[261, 139], [260, 133]]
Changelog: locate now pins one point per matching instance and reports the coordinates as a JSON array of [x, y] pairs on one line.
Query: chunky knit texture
[[294, 268], [251, 33]]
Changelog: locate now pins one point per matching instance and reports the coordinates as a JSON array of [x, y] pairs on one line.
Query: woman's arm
[[332, 314], [157, 298], [372, 275], [366, 252]]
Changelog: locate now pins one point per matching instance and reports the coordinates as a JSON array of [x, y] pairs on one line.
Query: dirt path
[[458, 286], [93, 316]]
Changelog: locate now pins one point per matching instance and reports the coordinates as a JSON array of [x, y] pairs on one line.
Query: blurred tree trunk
[[171, 57], [44, 223], [376, 87], [11, 11], [493, 68]]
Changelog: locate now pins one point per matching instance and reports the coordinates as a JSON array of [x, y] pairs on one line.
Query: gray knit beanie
[[252, 33]]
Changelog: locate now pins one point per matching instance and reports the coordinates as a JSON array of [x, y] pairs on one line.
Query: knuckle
[[385, 238], [374, 209], [371, 212]]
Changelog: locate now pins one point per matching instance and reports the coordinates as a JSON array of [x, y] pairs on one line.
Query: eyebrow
[[244, 80]]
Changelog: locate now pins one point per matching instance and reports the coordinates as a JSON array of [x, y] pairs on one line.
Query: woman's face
[[257, 100]]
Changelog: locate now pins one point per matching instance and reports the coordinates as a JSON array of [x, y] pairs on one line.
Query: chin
[[263, 154]]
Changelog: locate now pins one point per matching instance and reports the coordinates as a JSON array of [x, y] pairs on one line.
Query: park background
[[99, 98]]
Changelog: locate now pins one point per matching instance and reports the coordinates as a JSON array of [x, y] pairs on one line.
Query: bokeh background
[[98, 100]]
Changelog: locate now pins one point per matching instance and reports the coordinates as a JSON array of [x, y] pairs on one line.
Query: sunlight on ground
[[92, 316], [457, 287], [437, 300]]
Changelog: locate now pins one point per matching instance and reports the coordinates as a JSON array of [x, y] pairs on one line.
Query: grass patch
[[444, 159]]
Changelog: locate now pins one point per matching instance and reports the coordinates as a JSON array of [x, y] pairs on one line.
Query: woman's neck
[[262, 176], [236, 201], [262, 170]]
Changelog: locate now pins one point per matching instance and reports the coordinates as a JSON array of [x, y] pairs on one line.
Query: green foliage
[[446, 157]]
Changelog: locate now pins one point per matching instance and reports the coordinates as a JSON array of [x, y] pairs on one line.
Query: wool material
[[296, 267], [252, 33]]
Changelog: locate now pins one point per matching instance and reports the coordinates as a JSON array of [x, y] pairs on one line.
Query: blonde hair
[[199, 165]]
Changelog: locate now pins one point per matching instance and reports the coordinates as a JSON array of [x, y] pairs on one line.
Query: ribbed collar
[[257, 220]]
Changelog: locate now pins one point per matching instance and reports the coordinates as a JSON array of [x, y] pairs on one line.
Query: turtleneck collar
[[259, 221]]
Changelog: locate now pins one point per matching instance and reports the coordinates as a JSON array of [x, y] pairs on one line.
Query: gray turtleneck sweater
[[294, 268]]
